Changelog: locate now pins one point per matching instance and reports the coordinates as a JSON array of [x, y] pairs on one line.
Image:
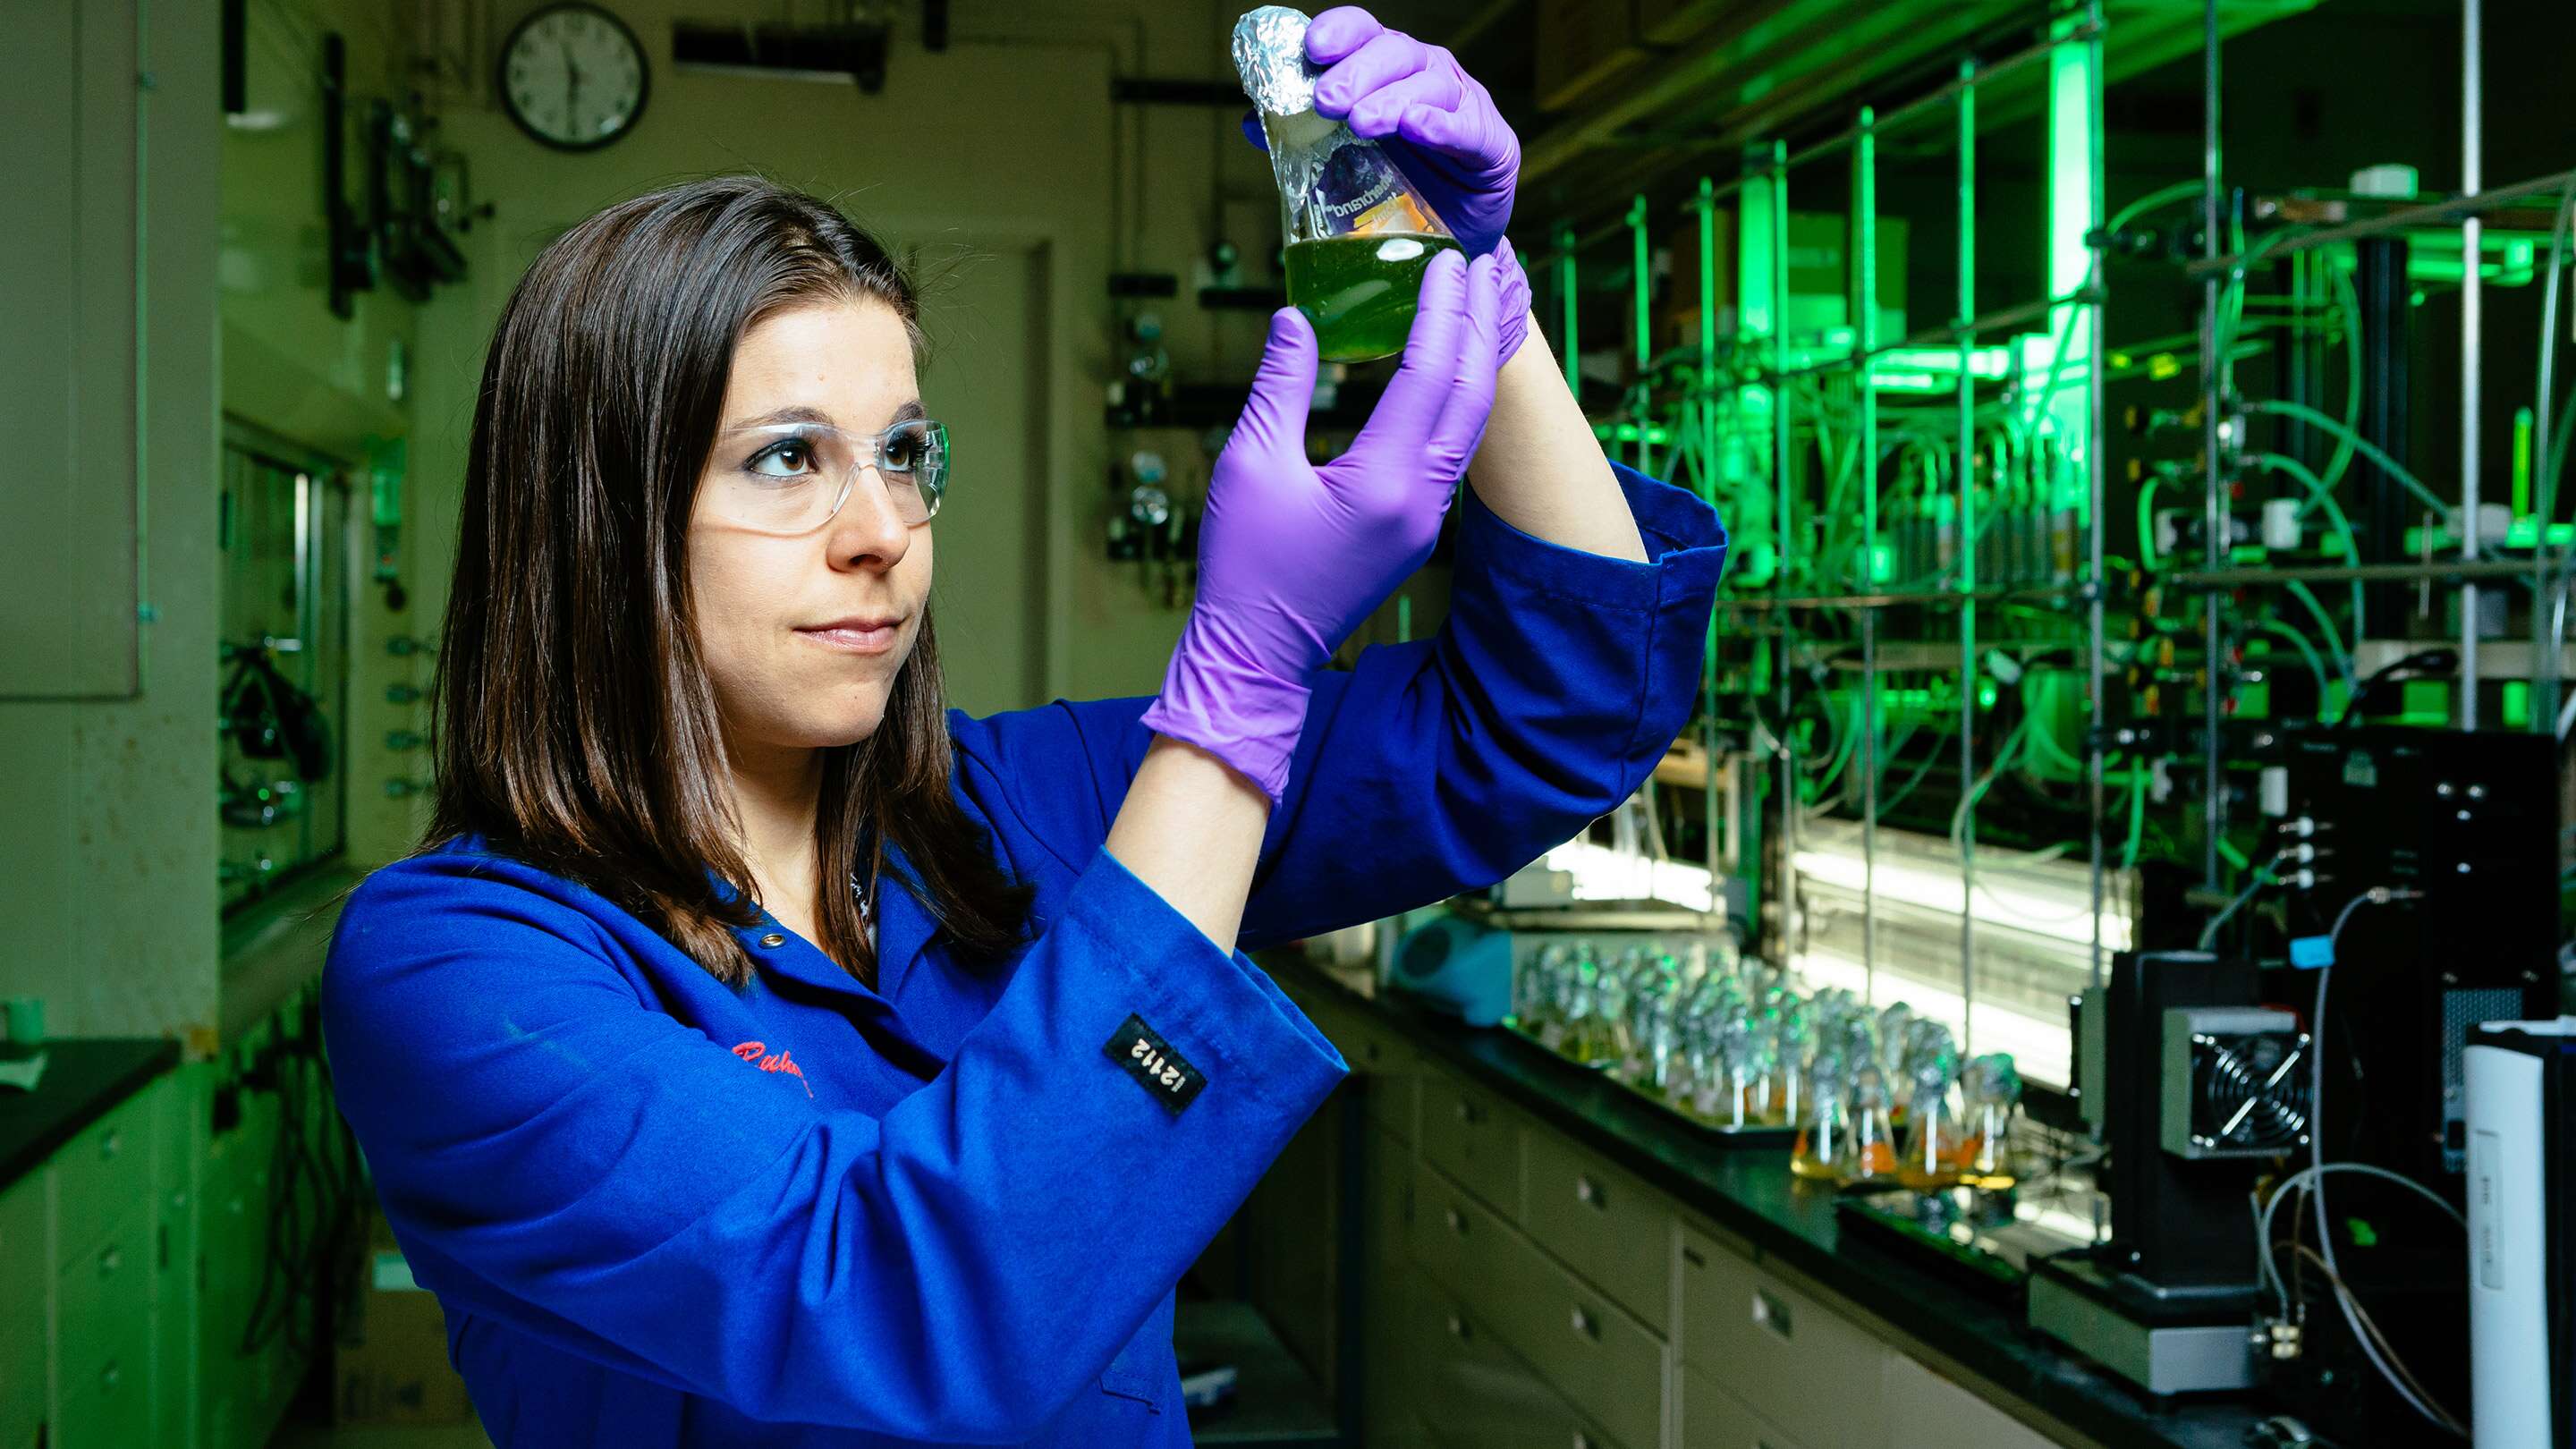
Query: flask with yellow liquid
[[1357, 234]]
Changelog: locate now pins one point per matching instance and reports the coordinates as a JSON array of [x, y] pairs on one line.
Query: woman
[[757, 1053]]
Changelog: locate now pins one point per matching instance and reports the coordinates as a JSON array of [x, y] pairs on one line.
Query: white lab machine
[[2521, 1259]]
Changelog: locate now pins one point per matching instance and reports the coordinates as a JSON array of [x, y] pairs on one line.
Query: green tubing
[[2319, 494], [2316, 666], [2334, 641], [2369, 449]]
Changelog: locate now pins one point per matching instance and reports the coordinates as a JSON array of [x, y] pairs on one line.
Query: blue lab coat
[[663, 1211]]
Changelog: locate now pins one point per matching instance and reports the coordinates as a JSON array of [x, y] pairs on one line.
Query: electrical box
[[2471, 821], [2235, 1082]]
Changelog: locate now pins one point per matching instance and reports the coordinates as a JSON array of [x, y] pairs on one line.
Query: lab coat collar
[[903, 930], [904, 924]]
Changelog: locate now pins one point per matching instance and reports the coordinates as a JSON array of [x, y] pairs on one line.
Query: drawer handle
[[1458, 1328], [1772, 1314], [1457, 1221], [108, 1376], [110, 1260], [1691, 1256], [112, 1144], [1582, 1440], [1370, 1051], [1588, 1191], [1585, 1324]]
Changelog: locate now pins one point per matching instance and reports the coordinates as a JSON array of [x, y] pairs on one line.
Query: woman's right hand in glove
[[1293, 556]]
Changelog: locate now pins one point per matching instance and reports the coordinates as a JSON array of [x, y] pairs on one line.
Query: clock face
[[573, 76]]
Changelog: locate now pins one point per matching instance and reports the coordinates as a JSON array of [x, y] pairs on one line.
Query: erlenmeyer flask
[[1358, 235], [1992, 1088], [1822, 1146], [1873, 1132], [1931, 1140], [1931, 1133]]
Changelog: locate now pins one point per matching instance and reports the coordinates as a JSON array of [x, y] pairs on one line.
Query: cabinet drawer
[[1383, 1066], [103, 1173], [1387, 1186], [1603, 1362], [1712, 1418], [1608, 1226], [27, 1287], [1468, 1136], [1392, 1072], [25, 1269], [1938, 1414], [1475, 1391], [1791, 1360], [1455, 1239], [104, 1396], [112, 1282]]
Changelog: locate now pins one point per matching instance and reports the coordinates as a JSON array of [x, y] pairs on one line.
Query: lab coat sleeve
[[1545, 699], [558, 1154]]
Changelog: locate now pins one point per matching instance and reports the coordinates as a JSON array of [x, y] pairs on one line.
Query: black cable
[[2440, 663]]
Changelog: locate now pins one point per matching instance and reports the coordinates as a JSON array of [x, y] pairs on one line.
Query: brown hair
[[575, 726]]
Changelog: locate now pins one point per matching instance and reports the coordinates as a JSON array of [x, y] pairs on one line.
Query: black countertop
[[83, 1081], [1751, 1193]]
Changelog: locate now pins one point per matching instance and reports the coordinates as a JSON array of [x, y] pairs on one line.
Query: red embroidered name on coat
[[777, 1061]]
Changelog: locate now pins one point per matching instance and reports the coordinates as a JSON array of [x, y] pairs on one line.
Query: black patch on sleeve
[[1155, 1066]]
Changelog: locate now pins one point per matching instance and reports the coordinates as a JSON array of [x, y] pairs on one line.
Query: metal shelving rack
[[1736, 396], [2545, 573], [2073, 50]]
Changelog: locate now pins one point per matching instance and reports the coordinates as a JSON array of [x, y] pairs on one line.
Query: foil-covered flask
[[1357, 234]]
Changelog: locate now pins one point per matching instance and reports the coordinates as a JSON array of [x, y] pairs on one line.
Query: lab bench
[[139, 1202], [1543, 1258], [96, 1215]]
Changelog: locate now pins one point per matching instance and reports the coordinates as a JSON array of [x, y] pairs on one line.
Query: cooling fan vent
[[2235, 1083]]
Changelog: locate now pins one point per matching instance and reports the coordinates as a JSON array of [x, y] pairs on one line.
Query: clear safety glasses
[[793, 478]]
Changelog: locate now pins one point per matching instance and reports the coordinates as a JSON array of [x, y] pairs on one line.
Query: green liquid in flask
[[1360, 291]]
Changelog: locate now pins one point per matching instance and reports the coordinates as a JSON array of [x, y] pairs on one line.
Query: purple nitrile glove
[[1433, 117], [1434, 120], [1291, 556]]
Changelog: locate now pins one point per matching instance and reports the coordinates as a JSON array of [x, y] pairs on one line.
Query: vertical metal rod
[[2213, 472], [1779, 185], [1566, 299], [1864, 338], [2094, 344], [1967, 559], [2544, 644], [1644, 289], [2472, 320], [1703, 383]]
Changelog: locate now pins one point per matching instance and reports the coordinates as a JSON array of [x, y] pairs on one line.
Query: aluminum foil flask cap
[[1331, 183]]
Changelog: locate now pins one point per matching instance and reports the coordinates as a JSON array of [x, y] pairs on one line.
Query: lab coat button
[[773, 939]]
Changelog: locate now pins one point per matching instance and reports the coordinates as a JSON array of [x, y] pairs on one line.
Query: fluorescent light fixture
[[2015, 897], [1603, 874], [2042, 1049]]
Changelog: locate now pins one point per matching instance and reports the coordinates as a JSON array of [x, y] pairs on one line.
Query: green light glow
[[2521, 464], [1990, 363], [2074, 154], [1656, 433]]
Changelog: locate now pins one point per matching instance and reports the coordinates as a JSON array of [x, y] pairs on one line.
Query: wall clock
[[573, 76]]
